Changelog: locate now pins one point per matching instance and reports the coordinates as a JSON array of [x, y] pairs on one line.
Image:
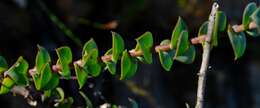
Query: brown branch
[[106, 58], [135, 53], [162, 48], [205, 59], [199, 39], [241, 27]]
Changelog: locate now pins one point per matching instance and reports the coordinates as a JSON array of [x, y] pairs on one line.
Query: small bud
[[162, 48], [252, 25], [135, 53], [199, 39], [238, 28], [106, 58], [79, 63], [56, 68], [32, 71]]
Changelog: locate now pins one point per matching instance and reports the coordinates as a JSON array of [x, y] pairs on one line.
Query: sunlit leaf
[[89, 46], [81, 74], [118, 46], [18, 72], [6, 85], [145, 43], [65, 58], [46, 75], [42, 58], [180, 26], [128, 66], [53, 83], [183, 43], [92, 65]]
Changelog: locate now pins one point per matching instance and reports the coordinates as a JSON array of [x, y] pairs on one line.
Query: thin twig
[[205, 59]]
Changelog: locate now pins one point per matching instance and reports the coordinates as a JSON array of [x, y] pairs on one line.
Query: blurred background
[[55, 23]]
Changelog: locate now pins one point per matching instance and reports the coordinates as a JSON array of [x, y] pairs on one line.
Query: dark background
[[230, 84]]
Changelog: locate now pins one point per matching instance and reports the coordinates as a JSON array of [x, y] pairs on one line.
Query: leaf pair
[[219, 26], [7, 82], [44, 78], [180, 50], [118, 47], [90, 58], [129, 64], [251, 14], [145, 44], [64, 59], [16, 74], [238, 40], [89, 63]]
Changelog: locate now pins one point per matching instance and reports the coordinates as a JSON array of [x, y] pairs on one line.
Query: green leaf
[[166, 58], [92, 65], [7, 85], [185, 52], [183, 43], [46, 95], [238, 42], [89, 46], [145, 43], [53, 83], [3, 65], [256, 17], [46, 79], [18, 72], [64, 54], [42, 58], [81, 74], [87, 100], [180, 26], [61, 94], [117, 47], [253, 32], [188, 57], [249, 10], [90, 58], [65, 58], [219, 25], [221, 21], [111, 65], [46, 75], [128, 66], [203, 30]]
